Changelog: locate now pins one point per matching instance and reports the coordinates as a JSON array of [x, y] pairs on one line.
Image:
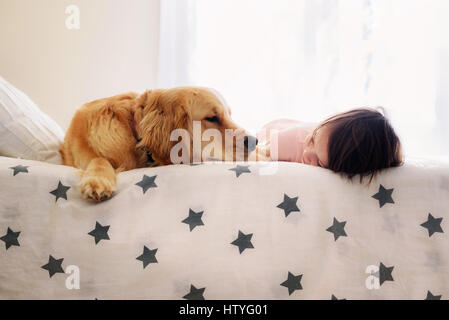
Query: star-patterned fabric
[[226, 231]]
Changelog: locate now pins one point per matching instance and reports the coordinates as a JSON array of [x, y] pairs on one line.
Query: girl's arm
[[285, 145]]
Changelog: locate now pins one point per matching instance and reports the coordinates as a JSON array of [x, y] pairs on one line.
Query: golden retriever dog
[[131, 130]]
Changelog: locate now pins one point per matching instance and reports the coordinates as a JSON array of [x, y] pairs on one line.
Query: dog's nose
[[250, 143]]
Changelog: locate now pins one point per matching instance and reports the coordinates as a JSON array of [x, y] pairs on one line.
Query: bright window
[[308, 59]]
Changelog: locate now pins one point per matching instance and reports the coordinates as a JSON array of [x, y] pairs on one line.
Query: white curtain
[[308, 59]]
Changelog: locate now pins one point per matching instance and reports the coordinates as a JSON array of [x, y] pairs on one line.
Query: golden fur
[[100, 139]]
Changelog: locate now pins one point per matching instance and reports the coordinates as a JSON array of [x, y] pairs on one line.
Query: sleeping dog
[[129, 131]]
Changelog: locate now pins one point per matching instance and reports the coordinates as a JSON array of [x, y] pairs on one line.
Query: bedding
[[225, 231], [26, 132]]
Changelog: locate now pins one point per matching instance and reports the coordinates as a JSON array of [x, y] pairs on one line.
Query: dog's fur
[[101, 142]]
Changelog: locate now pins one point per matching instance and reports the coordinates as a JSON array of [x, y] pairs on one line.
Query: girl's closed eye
[[316, 147]]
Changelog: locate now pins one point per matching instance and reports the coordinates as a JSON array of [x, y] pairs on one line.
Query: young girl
[[358, 141]]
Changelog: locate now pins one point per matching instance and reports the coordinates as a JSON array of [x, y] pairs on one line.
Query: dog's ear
[[161, 114]]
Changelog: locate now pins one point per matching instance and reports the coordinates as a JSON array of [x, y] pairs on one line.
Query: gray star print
[[384, 196], [10, 238], [100, 232], [243, 241], [146, 183], [430, 296], [240, 169], [148, 256], [338, 229], [60, 191], [194, 219], [288, 205], [195, 294], [385, 273], [19, 168], [53, 266], [293, 283], [432, 225]]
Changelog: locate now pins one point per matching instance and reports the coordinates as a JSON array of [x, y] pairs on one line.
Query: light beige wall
[[114, 51]]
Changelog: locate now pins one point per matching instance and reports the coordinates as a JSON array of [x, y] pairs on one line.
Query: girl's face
[[316, 147]]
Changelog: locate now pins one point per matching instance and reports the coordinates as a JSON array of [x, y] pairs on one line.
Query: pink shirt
[[291, 137]]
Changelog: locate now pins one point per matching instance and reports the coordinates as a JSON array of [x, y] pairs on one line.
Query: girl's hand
[[262, 152]]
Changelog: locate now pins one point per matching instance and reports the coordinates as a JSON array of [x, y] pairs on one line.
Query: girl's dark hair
[[362, 141]]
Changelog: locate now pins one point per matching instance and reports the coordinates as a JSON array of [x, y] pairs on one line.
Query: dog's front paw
[[96, 188]]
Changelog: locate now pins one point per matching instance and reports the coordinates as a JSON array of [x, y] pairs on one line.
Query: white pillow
[[25, 131]]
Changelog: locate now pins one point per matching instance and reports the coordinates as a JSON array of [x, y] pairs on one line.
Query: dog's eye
[[212, 119]]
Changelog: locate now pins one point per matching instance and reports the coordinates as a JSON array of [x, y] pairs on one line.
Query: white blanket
[[206, 231]]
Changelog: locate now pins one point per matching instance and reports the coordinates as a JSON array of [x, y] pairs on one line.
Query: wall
[[114, 51]]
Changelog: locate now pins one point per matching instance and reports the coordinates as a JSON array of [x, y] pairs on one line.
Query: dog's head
[[159, 112]]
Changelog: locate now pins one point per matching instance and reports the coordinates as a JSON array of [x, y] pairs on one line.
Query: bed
[[225, 231]]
